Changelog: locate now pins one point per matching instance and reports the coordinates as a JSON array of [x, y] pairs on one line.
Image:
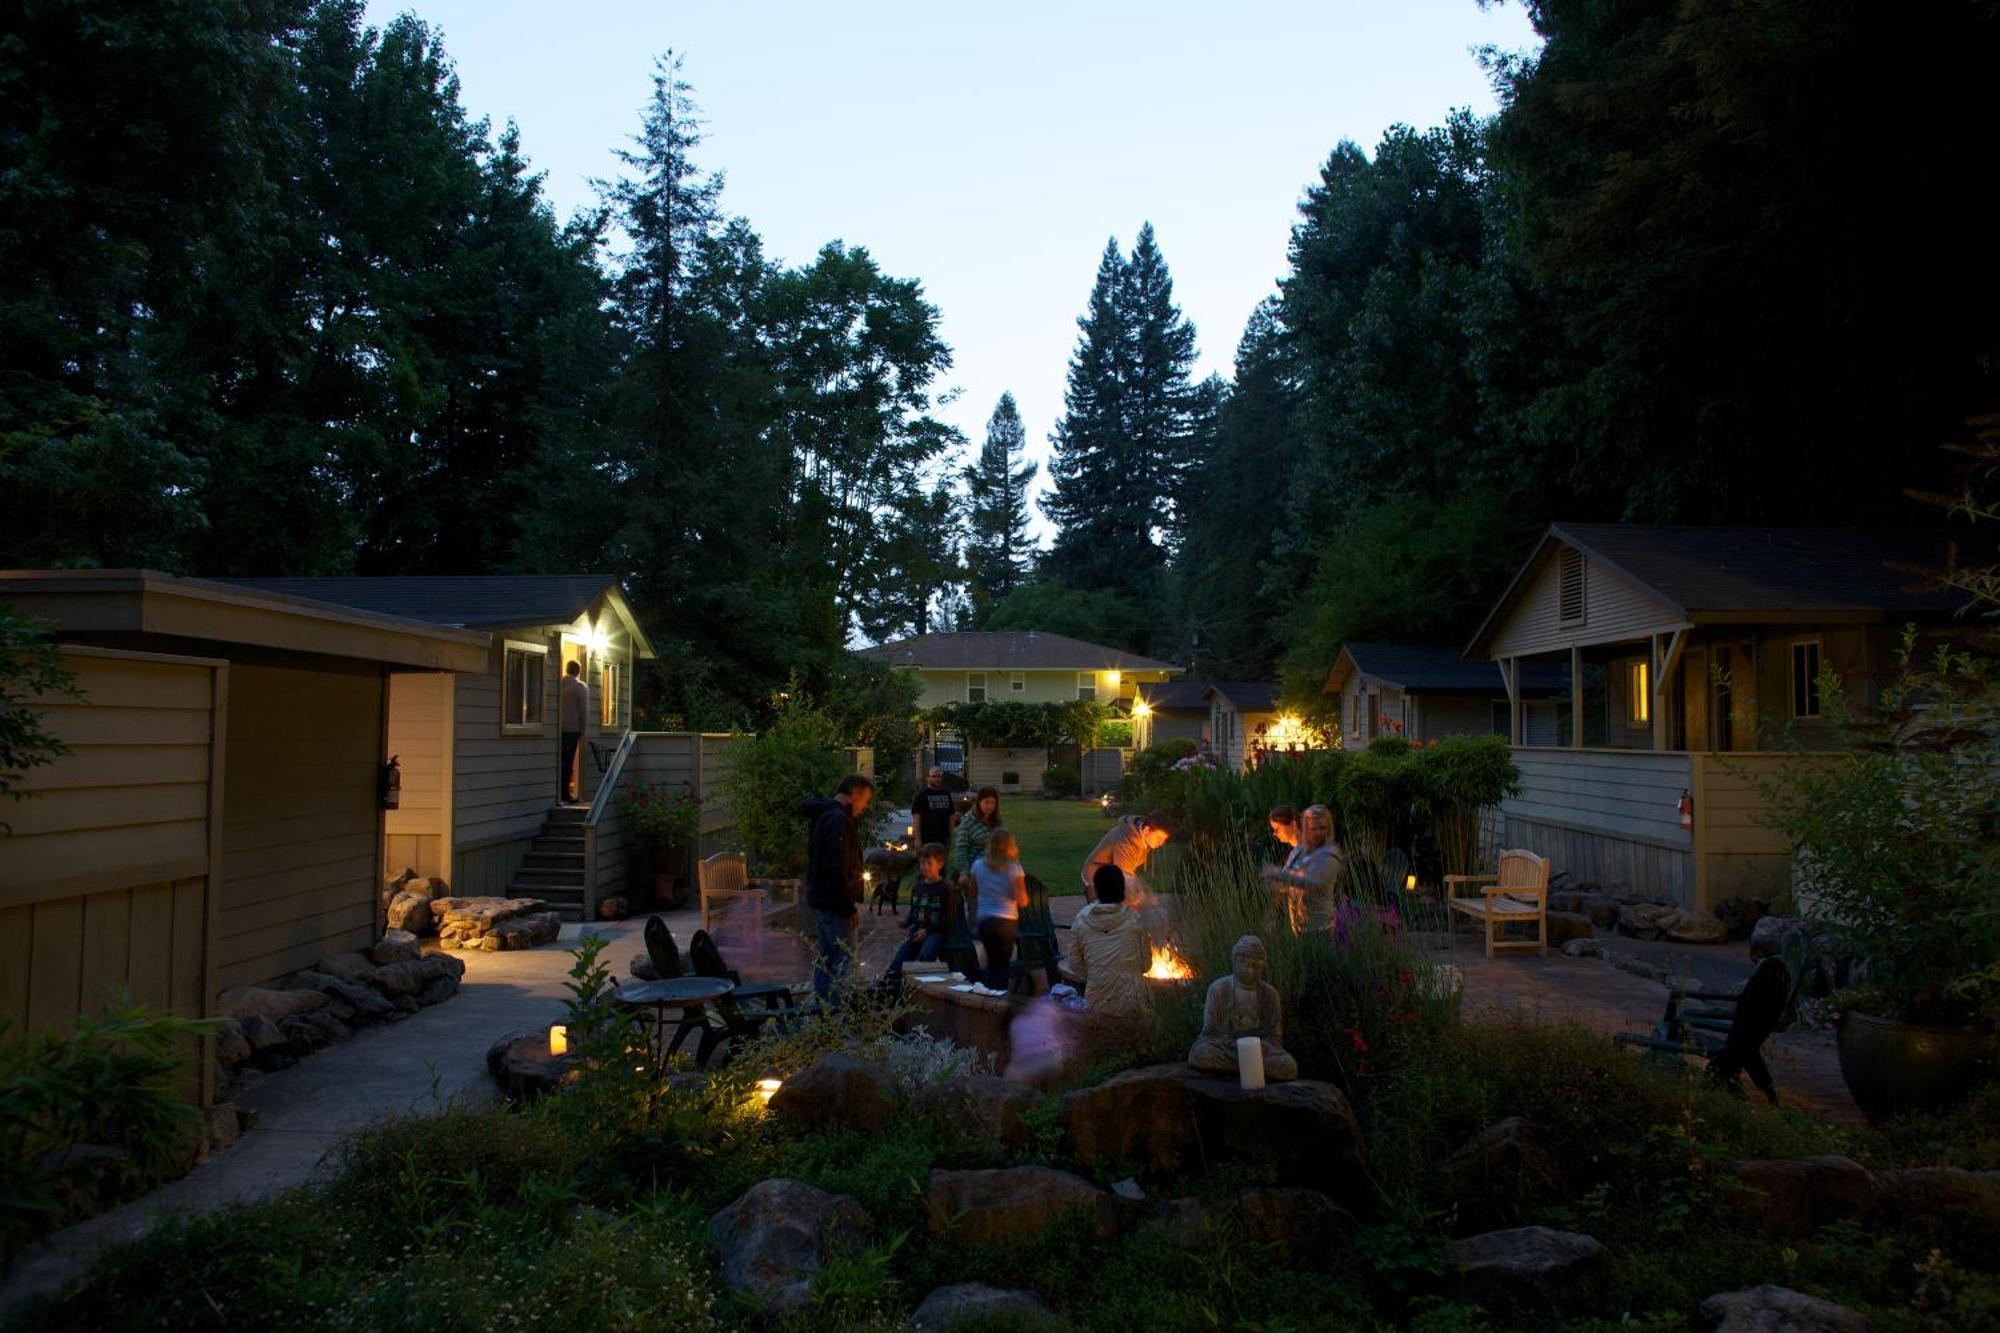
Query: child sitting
[[927, 912]]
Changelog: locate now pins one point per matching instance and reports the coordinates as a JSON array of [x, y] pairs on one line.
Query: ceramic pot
[[1891, 1066]]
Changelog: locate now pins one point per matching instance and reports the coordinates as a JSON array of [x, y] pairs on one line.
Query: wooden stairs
[[553, 868]]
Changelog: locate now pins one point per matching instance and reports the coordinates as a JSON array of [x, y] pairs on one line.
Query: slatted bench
[[1518, 893]]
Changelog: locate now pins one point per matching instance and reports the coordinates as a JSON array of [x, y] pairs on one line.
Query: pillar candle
[[1250, 1061]]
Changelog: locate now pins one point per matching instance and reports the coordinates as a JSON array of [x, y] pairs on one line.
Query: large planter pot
[[1891, 1066], [663, 874]]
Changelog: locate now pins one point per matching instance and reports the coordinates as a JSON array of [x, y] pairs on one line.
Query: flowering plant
[[661, 816]]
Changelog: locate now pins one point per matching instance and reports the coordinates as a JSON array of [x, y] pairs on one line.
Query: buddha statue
[[1243, 1004]]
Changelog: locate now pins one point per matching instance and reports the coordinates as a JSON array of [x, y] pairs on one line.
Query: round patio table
[[687, 994]]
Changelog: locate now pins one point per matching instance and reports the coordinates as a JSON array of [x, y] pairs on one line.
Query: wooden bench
[[1519, 892]]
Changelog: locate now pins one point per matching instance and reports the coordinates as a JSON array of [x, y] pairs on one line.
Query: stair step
[[538, 859], [568, 814], [557, 879], [552, 894]]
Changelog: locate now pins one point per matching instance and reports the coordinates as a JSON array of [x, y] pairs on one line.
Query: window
[[975, 687], [1638, 693], [1017, 683], [522, 686], [1086, 684], [1805, 679], [607, 692], [1569, 586]]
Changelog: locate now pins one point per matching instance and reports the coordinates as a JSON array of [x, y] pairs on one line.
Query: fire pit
[[1168, 965]]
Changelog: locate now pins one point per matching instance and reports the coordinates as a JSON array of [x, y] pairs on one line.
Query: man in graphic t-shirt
[[933, 811]]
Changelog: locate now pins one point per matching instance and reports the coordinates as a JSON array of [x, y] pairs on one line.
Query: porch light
[[1112, 678], [558, 1040], [1142, 710], [598, 640]]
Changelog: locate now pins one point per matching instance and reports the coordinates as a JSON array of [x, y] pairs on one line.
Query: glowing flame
[[1168, 965]]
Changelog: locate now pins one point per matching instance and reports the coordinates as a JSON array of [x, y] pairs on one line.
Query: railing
[[600, 807]]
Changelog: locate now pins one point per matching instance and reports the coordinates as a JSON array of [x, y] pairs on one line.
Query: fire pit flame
[[1168, 965]]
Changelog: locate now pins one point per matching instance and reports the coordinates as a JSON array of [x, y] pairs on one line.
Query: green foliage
[[877, 707], [1061, 781], [1115, 733], [660, 816], [1005, 724], [1149, 771], [771, 776], [1457, 778], [1897, 858], [30, 668], [92, 1115], [1056, 601]]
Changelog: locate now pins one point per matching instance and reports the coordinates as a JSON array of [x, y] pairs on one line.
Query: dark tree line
[[1710, 263]]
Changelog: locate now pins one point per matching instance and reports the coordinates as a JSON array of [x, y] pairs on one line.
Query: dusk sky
[[989, 152]]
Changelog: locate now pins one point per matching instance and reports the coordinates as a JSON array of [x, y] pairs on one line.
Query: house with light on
[[1690, 662], [1018, 666], [1425, 692]]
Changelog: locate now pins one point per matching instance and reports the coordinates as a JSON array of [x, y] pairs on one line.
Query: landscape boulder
[[1592, 948], [1769, 1309], [1959, 1208], [642, 968], [985, 1107], [360, 1002], [1644, 920], [840, 1092], [774, 1238], [241, 1002], [396, 980], [1535, 1271], [1793, 1197], [1302, 1227], [411, 912], [232, 1048], [1603, 912], [1767, 935], [395, 946], [346, 966], [1172, 1120], [1011, 1206], [512, 923], [1739, 916], [1567, 926], [974, 1304], [1694, 926], [260, 1033]]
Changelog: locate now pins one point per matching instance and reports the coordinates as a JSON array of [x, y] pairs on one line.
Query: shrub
[[1061, 781], [109, 1084], [1149, 769], [771, 776], [30, 665], [659, 814], [1455, 779]]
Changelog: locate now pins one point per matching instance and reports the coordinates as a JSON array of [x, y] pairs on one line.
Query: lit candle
[[1250, 1061], [558, 1040], [1410, 884]]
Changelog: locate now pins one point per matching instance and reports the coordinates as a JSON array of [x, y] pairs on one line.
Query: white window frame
[[1086, 685], [1810, 685], [970, 678], [1017, 682], [609, 671], [538, 723]]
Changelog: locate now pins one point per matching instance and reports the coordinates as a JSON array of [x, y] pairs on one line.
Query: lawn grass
[[1055, 837]]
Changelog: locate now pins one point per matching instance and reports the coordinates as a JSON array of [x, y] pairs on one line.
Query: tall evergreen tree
[[1160, 399], [997, 545]]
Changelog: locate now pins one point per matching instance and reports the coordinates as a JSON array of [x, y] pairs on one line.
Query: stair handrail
[[608, 788]]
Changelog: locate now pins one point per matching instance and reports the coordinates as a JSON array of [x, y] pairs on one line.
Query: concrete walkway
[[427, 1061]]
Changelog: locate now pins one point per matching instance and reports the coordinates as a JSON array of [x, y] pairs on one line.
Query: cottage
[[1019, 666], [1170, 710], [483, 804], [1243, 717], [1689, 657], [218, 821], [1425, 692]]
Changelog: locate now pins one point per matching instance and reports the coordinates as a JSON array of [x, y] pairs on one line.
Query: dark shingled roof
[[476, 601], [1424, 666], [1773, 569], [1247, 696], [1007, 650], [1175, 696]]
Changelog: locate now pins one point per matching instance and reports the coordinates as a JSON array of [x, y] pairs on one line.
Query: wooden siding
[[301, 819], [1736, 851], [1104, 769], [1172, 726], [1607, 859], [416, 833], [1614, 610], [1037, 686], [105, 880], [696, 761], [1230, 732], [1629, 794], [502, 784], [1444, 714], [986, 767]]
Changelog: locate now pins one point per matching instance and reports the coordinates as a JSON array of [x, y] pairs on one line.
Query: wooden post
[[1575, 697], [1510, 676]]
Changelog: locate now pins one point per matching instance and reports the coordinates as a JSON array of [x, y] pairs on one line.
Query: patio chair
[[960, 950], [724, 876], [1517, 893], [1035, 949], [727, 1019], [1732, 1045], [707, 962]]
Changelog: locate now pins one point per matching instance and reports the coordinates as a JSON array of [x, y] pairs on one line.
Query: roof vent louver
[[1569, 586]]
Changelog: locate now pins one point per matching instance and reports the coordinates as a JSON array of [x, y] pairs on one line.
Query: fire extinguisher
[[1686, 807], [392, 783]]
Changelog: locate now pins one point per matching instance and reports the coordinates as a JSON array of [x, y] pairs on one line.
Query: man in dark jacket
[[834, 887]]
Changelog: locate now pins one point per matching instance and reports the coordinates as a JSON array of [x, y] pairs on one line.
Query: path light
[[558, 1040], [1410, 884], [768, 1086]]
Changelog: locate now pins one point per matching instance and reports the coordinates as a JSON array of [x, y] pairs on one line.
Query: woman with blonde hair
[[1000, 891]]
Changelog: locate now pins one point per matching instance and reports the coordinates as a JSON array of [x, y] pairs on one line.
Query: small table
[[687, 994]]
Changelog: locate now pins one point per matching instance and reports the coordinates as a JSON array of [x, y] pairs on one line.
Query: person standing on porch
[[572, 707], [834, 887]]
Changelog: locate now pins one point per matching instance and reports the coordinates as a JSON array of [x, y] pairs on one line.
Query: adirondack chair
[[707, 961], [1733, 1045], [724, 876], [1519, 892], [1035, 949], [960, 950]]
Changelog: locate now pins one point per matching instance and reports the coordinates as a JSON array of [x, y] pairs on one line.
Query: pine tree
[[997, 547], [1160, 399]]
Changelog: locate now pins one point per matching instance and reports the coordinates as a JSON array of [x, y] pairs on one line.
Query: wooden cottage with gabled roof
[[1688, 656]]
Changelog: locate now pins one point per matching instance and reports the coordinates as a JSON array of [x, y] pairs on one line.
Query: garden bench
[[725, 876], [1517, 893]]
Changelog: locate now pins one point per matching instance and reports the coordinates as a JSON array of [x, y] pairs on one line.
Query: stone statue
[[1243, 1004]]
